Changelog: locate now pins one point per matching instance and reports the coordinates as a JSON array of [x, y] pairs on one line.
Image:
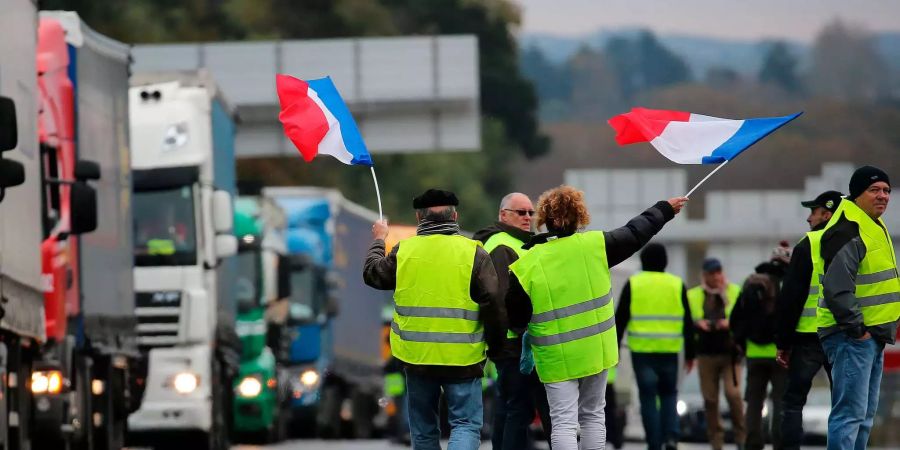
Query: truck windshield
[[248, 282], [304, 295], [164, 228]]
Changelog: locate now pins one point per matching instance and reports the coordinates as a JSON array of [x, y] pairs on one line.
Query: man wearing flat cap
[[858, 312], [446, 314], [799, 349]]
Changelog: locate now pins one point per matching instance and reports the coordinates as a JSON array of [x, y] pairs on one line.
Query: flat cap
[[435, 197]]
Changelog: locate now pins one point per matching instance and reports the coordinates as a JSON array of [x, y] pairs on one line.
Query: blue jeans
[[464, 411], [514, 409], [856, 371], [657, 379]]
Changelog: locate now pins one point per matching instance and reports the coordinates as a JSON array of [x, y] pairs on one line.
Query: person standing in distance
[[653, 309]]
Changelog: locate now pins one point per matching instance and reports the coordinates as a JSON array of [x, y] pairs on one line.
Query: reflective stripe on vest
[[807, 322], [877, 281], [435, 320], [573, 328], [657, 313], [696, 296], [504, 238]]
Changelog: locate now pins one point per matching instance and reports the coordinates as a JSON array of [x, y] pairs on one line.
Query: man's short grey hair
[[442, 215], [504, 202]]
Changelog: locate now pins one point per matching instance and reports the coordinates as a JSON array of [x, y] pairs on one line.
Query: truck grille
[[158, 316]]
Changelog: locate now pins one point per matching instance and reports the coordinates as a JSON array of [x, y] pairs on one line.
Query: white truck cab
[[182, 141]]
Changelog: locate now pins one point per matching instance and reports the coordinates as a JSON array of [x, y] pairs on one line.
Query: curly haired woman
[[560, 290]]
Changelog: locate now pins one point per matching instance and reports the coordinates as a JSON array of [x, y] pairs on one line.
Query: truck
[[22, 305], [335, 364], [82, 382], [262, 290], [182, 143]]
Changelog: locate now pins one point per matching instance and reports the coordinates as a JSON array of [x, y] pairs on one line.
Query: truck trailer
[[22, 306], [84, 382], [182, 140], [335, 359]]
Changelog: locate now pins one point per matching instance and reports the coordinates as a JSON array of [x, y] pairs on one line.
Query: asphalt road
[[384, 445]]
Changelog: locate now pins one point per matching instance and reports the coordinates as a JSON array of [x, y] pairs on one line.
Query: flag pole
[[377, 193], [701, 181]]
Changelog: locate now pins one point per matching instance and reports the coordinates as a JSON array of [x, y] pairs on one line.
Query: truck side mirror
[[9, 130], [84, 208], [87, 170], [223, 213], [226, 245], [12, 173]]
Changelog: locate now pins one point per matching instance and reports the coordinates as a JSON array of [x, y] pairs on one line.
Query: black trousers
[[807, 358]]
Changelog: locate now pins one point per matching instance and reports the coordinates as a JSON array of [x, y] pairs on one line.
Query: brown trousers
[[714, 369]]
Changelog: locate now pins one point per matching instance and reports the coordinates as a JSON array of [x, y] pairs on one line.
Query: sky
[[797, 20]]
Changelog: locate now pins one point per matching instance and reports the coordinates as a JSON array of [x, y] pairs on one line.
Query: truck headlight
[[681, 407], [309, 378], [249, 387], [176, 136], [46, 382], [185, 382]]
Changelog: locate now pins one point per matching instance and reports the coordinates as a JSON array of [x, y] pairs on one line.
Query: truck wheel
[[218, 436], [328, 420], [111, 433], [363, 413]]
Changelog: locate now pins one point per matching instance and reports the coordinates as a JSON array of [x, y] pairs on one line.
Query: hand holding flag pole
[[687, 138], [316, 119]]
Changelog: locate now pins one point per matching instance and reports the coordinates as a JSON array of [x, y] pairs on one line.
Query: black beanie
[[864, 177], [653, 258]]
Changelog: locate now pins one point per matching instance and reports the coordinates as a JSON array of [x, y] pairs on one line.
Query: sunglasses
[[521, 212]]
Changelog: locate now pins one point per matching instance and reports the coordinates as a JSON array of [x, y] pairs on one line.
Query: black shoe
[[671, 445]]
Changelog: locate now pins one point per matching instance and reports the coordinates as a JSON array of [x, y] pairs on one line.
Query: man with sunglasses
[[517, 392]]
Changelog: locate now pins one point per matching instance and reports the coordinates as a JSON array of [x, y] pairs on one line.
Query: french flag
[[318, 122], [688, 138]]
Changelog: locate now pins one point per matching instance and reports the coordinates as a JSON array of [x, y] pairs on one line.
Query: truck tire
[[218, 437], [111, 433], [328, 417], [364, 407]]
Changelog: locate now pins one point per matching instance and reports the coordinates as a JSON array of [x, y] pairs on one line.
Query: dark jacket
[[792, 298], [714, 342], [753, 316], [621, 243], [623, 316], [380, 272], [502, 256], [843, 249]]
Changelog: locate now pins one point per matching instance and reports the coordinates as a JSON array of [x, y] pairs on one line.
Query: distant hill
[[700, 52]]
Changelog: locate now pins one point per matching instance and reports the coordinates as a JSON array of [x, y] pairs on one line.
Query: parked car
[[815, 416]]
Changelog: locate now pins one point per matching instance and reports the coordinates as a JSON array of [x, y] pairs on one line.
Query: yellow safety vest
[[696, 297], [877, 280], [572, 328], [436, 322], [504, 238], [807, 322], [657, 313]]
